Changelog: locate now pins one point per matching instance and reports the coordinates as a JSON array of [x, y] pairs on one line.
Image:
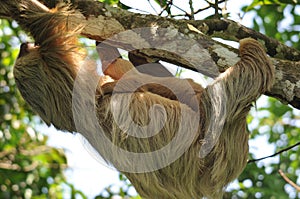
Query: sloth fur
[[45, 76]]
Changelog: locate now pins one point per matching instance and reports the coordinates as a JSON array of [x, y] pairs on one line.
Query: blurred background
[[37, 161]]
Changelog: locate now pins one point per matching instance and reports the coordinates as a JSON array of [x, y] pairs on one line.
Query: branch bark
[[102, 22]]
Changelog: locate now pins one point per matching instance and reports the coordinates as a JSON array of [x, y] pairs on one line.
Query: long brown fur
[[45, 76]]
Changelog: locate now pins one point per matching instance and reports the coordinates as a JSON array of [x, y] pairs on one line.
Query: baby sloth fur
[[45, 75]]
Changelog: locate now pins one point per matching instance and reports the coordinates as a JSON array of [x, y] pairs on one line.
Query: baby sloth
[[45, 75]]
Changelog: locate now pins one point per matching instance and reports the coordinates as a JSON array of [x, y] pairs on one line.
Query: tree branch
[[288, 180], [102, 22], [275, 154], [230, 30]]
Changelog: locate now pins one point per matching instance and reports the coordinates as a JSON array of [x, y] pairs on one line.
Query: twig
[[288, 180], [216, 9], [211, 5], [152, 6], [168, 4], [224, 10], [192, 10], [182, 10], [180, 15], [202, 9], [206, 8], [142, 11], [279, 152]]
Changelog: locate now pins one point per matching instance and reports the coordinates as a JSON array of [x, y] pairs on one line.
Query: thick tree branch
[[102, 22], [230, 30]]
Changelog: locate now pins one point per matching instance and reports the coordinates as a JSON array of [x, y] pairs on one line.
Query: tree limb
[[231, 30], [102, 22]]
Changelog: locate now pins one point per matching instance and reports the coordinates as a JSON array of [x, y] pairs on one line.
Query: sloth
[[46, 73]]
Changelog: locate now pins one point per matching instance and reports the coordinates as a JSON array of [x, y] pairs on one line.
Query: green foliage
[[110, 2], [121, 191], [278, 19], [31, 169], [280, 124], [116, 2], [256, 3], [161, 3], [28, 167]]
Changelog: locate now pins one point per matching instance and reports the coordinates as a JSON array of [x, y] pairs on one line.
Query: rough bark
[[102, 22]]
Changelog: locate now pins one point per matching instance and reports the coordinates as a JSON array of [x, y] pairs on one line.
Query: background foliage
[[31, 169]]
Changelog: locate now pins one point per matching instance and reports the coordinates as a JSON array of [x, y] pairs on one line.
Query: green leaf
[[110, 2], [161, 3]]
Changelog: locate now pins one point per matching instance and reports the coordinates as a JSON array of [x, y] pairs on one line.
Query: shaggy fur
[[45, 76]]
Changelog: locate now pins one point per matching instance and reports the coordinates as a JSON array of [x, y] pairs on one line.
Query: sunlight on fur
[[218, 147]]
